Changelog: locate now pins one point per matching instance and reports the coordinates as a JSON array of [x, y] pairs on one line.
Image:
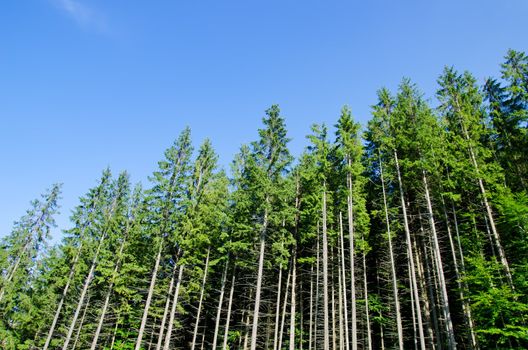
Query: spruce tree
[[21, 262], [270, 159]]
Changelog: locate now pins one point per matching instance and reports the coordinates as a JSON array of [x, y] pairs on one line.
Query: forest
[[409, 233]]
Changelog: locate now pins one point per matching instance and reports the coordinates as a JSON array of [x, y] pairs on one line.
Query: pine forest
[[410, 232]]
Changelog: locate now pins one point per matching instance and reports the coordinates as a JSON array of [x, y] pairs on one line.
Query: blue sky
[[89, 84]]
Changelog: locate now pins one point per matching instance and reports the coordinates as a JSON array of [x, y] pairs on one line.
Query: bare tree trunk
[[393, 264], [340, 292], [326, 325], [108, 294], [411, 260], [489, 212], [166, 309], [292, 308], [152, 334], [195, 333], [283, 316], [317, 294], [246, 337], [334, 335], [413, 312], [427, 283], [301, 314], [259, 279], [63, 297], [219, 309], [343, 279], [83, 293], [440, 269], [277, 310], [229, 305], [294, 271], [202, 342], [173, 309], [114, 334], [77, 335], [367, 312], [465, 306], [382, 337], [473, 338], [149, 298], [311, 323], [350, 205]]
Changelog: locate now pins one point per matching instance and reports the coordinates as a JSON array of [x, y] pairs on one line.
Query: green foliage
[[194, 212], [498, 310], [21, 303]]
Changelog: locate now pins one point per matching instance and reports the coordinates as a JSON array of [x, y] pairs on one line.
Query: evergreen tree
[[414, 237], [21, 258], [268, 167]]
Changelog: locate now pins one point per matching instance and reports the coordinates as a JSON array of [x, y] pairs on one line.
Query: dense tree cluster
[[409, 235]]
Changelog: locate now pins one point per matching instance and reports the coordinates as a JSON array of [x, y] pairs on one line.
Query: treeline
[[409, 235]]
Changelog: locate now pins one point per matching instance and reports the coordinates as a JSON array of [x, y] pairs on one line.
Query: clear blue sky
[[89, 84]]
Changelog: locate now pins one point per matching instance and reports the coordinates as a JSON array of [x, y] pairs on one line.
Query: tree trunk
[[427, 283], [473, 338], [343, 281], [410, 255], [311, 323], [413, 312], [166, 309], [392, 263], [350, 207], [340, 295], [114, 334], [77, 335], [268, 331], [382, 335], [277, 311], [195, 333], [246, 337], [301, 314], [294, 270], [259, 279], [83, 293], [465, 306], [173, 309], [219, 309], [229, 305], [440, 268], [149, 298], [292, 309], [365, 288], [202, 342], [152, 334], [107, 298], [63, 297], [326, 321], [283, 315], [334, 335], [489, 212]]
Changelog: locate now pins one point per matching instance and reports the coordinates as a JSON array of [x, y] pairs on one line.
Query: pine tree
[[508, 107], [22, 254], [269, 164], [165, 199], [351, 153], [461, 104]]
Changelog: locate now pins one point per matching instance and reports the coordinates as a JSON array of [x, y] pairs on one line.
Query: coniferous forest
[[409, 233]]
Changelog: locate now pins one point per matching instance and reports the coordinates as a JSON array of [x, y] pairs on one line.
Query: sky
[[89, 84]]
